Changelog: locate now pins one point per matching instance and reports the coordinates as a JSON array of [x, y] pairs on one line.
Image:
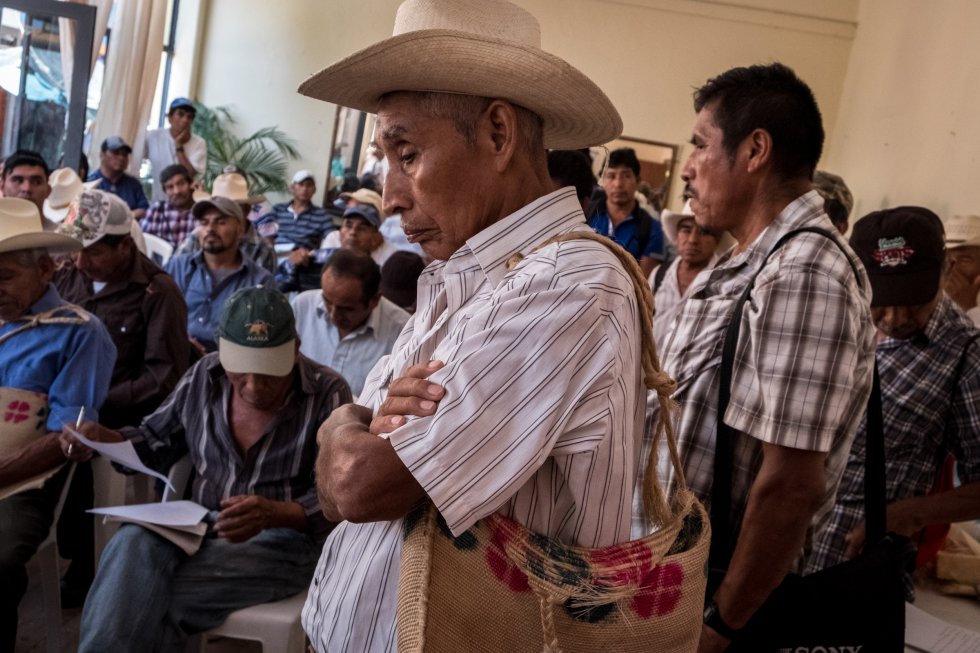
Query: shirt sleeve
[[197, 154], [160, 440], [84, 377], [966, 417], [528, 370]]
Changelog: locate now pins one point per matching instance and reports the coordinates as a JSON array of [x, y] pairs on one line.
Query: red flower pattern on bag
[[505, 571], [17, 412], [660, 591], [660, 586]]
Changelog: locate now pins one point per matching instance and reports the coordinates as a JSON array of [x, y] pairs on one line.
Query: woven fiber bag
[[502, 587]]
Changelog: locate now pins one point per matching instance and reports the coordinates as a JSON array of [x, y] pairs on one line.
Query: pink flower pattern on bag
[[17, 412]]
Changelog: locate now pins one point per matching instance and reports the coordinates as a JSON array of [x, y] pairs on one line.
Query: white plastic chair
[[47, 557], [275, 625], [157, 249]]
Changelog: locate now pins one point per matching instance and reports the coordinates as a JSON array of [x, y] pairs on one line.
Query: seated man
[[963, 254], [929, 360], [207, 278], [361, 230], [247, 417], [348, 325], [171, 218], [25, 176], [134, 298], [300, 221], [55, 360], [112, 177]]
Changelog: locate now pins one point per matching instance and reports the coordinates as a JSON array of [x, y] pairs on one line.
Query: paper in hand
[[120, 452]]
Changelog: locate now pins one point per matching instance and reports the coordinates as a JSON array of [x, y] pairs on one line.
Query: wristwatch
[[712, 619], [180, 149]]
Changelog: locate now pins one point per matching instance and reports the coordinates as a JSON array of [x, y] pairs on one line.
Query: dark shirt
[[307, 229], [127, 188], [147, 320], [279, 466]]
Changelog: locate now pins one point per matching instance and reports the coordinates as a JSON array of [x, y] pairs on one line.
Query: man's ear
[[45, 265], [758, 149], [499, 123]]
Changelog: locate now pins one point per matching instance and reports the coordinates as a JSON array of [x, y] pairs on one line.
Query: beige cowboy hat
[[65, 186], [20, 228], [487, 48], [365, 196], [671, 221], [963, 231], [234, 186]]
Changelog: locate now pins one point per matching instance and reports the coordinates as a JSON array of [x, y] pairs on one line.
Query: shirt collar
[[48, 301]]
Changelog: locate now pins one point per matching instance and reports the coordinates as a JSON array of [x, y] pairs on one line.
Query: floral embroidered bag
[[502, 587]]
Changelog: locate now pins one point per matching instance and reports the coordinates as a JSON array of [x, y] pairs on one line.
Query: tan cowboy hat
[[65, 186], [671, 221], [234, 186], [365, 196], [487, 48], [963, 231], [20, 228]]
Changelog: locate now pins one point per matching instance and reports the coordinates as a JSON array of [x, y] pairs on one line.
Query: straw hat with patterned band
[[65, 186], [20, 228], [234, 186], [963, 231], [671, 221], [486, 48]]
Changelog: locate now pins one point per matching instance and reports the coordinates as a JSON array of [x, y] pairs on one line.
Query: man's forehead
[[26, 170]]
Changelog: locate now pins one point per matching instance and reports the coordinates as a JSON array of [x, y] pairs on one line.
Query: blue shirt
[[204, 299], [127, 188], [625, 234], [71, 363]]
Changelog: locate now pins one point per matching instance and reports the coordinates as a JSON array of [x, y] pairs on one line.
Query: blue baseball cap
[[182, 103]]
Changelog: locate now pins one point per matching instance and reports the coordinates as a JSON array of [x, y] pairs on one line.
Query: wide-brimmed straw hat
[[671, 221], [963, 231], [20, 228], [234, 186], [487, 48], [66, 185]]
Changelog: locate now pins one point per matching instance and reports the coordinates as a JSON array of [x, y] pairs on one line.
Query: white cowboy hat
[[486, 48], [963, 231], [234, 186], [671, 221], [65, 186], [20, 228]]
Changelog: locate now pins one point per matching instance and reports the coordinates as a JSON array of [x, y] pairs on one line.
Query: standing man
[[621, 218], [346, 324], [171, 218], [175, 144], [530, 362], [963, 254], [795, 415], [25, 176], [208, 277], [112, 177]]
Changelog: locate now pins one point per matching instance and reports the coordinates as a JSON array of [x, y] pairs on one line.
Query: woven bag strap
[[655, 503], [67, 314]]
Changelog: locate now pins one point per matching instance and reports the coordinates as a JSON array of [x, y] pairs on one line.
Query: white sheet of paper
[[120, 452], [170, 513], [925, 632]]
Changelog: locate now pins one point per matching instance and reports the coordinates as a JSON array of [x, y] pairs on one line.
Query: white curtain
[[66, 37], [133, 63]]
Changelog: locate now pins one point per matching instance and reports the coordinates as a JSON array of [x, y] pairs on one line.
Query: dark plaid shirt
[[165, 220], [279, 466]]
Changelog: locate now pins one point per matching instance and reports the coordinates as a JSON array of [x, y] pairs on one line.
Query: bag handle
[[655, 504], [721, 490]]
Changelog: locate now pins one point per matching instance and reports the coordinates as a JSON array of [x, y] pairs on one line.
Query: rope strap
[[67, 314]]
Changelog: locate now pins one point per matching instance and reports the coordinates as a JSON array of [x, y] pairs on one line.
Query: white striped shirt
[[542, 415]]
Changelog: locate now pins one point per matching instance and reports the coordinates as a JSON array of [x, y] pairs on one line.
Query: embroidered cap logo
[[892, 252], [258, 331]]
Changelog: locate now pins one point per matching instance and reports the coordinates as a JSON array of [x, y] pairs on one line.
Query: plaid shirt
[[802, 369], [168, 222], [928, 412]]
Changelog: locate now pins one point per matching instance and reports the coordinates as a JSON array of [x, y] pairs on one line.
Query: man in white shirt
[[514, 389], [347, 324], [175, 144]]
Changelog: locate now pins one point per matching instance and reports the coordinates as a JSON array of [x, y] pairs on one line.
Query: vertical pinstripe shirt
[[802, 370], [541, 420], [194, 420]]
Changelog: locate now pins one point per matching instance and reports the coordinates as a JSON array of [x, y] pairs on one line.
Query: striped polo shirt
[[541, 420]]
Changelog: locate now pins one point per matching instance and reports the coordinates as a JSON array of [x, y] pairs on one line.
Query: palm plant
[[263, 156]]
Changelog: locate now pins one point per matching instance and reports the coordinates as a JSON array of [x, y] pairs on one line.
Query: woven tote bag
[[502, 587]]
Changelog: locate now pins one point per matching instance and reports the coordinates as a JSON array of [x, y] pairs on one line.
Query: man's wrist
[[714, 621]]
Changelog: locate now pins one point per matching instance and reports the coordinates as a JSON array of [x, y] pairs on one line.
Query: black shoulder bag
[[858, 605]]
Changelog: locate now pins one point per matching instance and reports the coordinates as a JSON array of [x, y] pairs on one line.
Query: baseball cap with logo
[[114, 143], [903, 251], [95, 214], [257, 333], [365, 196], [366, 212]]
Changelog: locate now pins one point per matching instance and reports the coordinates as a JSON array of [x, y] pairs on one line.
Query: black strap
[[721, 491], [660, 274], [643, 228]]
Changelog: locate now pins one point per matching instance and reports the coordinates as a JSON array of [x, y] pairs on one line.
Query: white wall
[[647, 55]]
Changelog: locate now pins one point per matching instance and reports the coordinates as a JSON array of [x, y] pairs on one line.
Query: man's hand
[[962, 289], [182, 136], [409, 395], [300, 257], [903, 517], [76, 451], [244, 516], [711, 641]]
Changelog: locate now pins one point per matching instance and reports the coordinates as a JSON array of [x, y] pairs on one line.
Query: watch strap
[[712, 619]]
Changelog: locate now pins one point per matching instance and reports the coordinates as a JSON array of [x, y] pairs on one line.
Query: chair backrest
[[179, 476], [157, 249]]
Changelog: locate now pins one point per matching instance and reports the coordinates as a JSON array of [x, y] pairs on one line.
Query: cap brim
[[575, 111], [54, 243], [905, 289], [270, 361]]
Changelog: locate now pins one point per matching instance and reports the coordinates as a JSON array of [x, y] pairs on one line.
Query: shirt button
[[200, 319]]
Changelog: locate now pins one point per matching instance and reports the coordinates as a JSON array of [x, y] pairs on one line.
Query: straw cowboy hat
[[20, 228], [65, 186], [963, 231], [487, 48], [234, 186], [671, 221]]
